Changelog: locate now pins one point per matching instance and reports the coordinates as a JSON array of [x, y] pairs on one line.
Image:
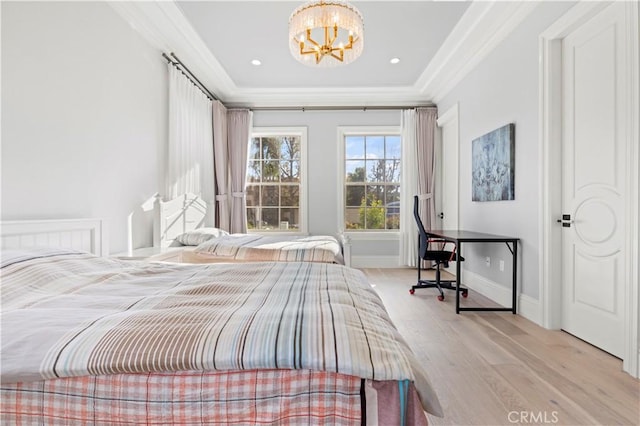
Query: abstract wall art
[[493, 163]]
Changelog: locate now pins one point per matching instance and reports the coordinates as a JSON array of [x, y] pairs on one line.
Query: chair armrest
[[444, 243]]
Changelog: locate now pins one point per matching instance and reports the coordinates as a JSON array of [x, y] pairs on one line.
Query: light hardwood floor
[[496, 368]]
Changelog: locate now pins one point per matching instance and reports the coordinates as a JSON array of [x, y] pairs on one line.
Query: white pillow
[[200, 235]]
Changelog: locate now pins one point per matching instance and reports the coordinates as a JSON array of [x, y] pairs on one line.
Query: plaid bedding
[[283, 397], [260, 248], [68, 314], [187, 398]]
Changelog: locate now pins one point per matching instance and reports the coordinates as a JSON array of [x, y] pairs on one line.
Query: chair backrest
[[424, 239]]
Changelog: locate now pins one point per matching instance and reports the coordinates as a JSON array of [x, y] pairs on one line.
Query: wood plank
[[485, 365]]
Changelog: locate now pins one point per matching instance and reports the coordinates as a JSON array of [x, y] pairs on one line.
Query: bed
[[94, 339], [180, 227]]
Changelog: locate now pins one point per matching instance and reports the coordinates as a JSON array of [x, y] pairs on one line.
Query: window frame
[[343, 132], [301, 131]]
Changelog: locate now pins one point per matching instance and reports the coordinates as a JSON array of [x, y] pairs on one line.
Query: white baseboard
[[527, 306], [375, 262]]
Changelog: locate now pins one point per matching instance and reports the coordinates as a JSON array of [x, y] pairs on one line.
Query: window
[[275, 179], [371, 178]]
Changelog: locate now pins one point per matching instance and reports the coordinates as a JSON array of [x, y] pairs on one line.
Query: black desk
[[459, 237]]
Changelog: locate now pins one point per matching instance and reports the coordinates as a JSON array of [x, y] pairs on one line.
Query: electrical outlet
[[501, 265], [487, 261]]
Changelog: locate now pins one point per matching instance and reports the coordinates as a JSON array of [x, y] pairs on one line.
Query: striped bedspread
[[67, 314], [260, 248]]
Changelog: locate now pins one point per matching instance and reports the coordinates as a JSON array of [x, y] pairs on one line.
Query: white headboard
[[79, 234], [172, 218]]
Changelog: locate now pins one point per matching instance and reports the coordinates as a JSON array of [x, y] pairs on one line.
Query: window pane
[[393, 221], [253, 171], [355, 195], [392, 194], [355, 171], [392, 173], [270, 171], [252, 218], [375, 217], [270, 195], [375, 171], [392, 205], [354, 147], [290, 196], [289, 219], [270, 148], [270, 218], [253, 195], [290, 148], [290, 171], [352, 218], [375, 195], [254, 149], [392, 147], [375, 147]]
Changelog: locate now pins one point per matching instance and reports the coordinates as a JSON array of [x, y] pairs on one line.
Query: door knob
[[565, 221], [441, 215]]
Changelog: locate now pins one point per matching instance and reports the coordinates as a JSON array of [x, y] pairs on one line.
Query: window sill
[[372, 236]]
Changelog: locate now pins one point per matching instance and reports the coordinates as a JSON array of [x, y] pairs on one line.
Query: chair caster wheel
[[465, 294], [412, 291], [441, 298]]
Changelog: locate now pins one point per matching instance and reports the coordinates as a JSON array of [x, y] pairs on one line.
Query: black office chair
[[440, 256]]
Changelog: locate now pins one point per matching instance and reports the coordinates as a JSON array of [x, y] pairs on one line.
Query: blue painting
[[493, 164]]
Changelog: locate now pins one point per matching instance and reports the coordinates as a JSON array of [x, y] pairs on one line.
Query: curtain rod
[[340, 108], [182, 67]]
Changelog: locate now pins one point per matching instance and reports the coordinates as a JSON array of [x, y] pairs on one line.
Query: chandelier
[[326, 33]]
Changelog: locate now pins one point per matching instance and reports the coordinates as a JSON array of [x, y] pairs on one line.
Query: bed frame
[[80, 234], [172, 218]]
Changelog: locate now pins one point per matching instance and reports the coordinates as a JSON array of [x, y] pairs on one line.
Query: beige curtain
[[220, 147], [239, 130], [409, 179], [425, 139]]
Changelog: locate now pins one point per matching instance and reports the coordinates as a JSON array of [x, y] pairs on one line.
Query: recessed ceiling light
[[394, 60], [256, 62]]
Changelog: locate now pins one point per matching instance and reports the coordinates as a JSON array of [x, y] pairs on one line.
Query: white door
[[448, 124], [594, 175]]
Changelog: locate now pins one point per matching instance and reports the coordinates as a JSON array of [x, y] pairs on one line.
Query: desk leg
[[459, 253], [515, 277]]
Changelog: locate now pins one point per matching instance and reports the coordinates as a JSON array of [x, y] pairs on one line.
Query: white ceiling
[[438, 43], [238, 31]]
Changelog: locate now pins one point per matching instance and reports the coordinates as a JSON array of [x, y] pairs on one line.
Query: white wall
[[323, 166], [504, 89], [84, 110]]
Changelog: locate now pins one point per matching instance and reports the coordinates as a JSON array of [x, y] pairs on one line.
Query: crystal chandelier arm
[[328, 41], [310, 39], [340, 58]]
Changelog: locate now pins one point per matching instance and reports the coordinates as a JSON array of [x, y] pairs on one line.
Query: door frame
[[550, 133], [450, 118]]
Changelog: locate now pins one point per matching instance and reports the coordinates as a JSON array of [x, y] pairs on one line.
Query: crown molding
[[482, 27], [380, 96]]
